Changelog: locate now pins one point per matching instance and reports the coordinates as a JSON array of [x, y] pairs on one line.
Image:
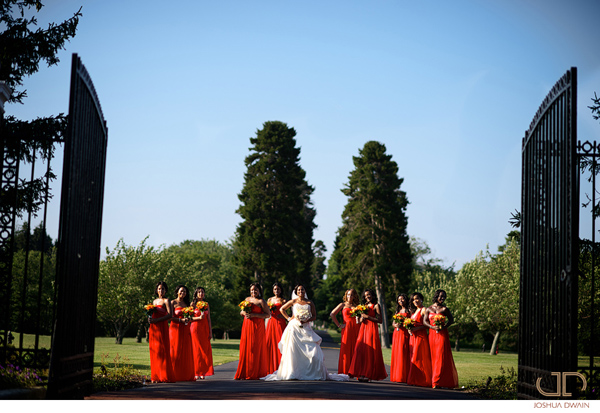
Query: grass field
[[473, 367]]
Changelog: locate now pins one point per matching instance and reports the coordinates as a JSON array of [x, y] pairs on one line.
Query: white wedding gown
[[301, 354]]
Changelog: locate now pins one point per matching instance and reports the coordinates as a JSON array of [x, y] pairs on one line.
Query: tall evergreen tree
[[373, 245], [274, 240]]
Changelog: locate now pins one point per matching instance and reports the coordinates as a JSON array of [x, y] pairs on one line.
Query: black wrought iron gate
[[71, 320], [82, 195], [550, 246]]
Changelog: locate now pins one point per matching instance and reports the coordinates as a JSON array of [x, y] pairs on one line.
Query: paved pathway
[[221, 386]]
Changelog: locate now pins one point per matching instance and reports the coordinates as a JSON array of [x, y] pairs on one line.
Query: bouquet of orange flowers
[[150, 308], [358, 310], [272, 306], [408, 323], [202, 305], [245, 306], [439, 320], [399, 318], [188, 313]]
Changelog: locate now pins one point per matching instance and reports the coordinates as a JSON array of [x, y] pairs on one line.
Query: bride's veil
[[294, 296]]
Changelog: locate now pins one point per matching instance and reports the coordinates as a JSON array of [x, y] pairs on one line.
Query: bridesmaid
[[161, 369], [253, 362], [443, 369], [349, 329], [201, 331], [275, 327], [181, 339], [367, 361], [400, 363], [419, 373]]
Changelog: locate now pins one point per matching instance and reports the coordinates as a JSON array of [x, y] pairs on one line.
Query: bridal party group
[[180, 334]]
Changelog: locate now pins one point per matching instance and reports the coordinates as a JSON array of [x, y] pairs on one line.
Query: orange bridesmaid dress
[[161, 369], [348, 342], [181, 349], [367, 360], [254, 362], [443, 369], [201, 349], [275, 327], [420, 359], [400, 363]]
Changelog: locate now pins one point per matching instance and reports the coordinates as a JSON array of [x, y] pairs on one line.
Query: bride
[[301, 354]]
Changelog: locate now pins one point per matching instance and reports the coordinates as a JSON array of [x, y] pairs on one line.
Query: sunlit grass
[[472, 366], [138, 356]]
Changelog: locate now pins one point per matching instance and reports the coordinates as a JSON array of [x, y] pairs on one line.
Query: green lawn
[[138, 356], [471, 366]]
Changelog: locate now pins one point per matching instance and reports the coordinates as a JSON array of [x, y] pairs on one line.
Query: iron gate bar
[[43, 248], [26, 266]]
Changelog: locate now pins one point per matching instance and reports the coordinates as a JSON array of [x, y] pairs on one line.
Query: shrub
[[13, 377], [502, 387], [119, 377]]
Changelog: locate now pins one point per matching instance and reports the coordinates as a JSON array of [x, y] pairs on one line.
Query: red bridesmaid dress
[[420, 359], [161, 369], [349, 337], [443, 369], [275, 327], [181, 349], [254, 362], [400, 363], [367, 360], [201, 349]]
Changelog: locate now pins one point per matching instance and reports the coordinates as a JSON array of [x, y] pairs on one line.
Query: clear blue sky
[[448, 86]]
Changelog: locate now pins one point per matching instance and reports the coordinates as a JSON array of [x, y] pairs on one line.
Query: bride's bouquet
[[302, 315]]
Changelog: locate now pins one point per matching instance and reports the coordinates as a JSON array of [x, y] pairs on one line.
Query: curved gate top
[[549, 243]]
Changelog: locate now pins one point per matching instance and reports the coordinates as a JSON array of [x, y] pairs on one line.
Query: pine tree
[[373, 245], [274, 240], [22, 49]]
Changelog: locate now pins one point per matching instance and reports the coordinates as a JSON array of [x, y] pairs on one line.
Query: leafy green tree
[[330, 290], [430, 275], [275, 238], [38, 240], [208, 264], [587, 326], [487, 290], [30, 287], [373, 244], [318, 267], [423, 259], [126, 281]]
